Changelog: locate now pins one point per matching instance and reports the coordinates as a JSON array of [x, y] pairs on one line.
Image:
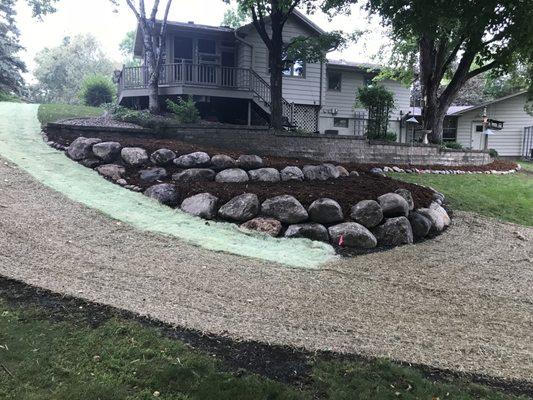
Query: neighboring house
[[226, 70]]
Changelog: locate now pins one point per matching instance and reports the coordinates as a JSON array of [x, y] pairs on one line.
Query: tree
[[61, 70], [153, 34], [269, 18], [236, 17], [379, 102], [126, 48], [11, 66], [454, 41]]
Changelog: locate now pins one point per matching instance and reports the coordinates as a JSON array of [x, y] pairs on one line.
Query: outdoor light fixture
[[413, 120]]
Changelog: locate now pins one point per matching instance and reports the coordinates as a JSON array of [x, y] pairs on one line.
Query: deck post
[[249, 112]]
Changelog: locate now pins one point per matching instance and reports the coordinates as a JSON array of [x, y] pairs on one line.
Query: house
[[226, 71]]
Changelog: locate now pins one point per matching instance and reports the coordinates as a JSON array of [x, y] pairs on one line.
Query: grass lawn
[[506, 197], [55, 112], [60, 352]]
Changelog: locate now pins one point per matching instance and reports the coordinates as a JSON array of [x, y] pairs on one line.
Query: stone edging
[[386, 169]]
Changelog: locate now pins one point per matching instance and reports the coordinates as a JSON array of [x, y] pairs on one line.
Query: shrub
[[390, 137], [493, 153], [379, 102], [97, 90], [185, 111], [142, 118], [453, 145], [8, 97]]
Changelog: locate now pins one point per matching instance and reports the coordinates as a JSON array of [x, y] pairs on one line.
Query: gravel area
[[103, 121], [462, 301]]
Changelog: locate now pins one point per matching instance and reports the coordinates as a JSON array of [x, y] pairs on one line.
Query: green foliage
[[61, 70], [126, 48], [142, 118], [55, 112], [453, 145], [97, 90], [379, 102], [493, 153], [9, 97], [236, 17], [185, 111], [314, 49], [68, 358]]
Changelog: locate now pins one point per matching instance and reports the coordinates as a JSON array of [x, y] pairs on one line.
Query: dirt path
[[462, 301]]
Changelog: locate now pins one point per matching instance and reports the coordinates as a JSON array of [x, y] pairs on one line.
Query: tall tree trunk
[[276, 73]]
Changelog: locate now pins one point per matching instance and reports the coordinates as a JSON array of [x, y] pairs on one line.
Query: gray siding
[[508, 141]]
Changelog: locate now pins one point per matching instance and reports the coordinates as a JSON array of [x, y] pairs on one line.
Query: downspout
[[322, 66], [247, 44]]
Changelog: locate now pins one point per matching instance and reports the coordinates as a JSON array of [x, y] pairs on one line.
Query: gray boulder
[[354, 173], [111, 171], [107, 151], [316, 172], [232, 175], [134, 156], [420, 225], [311, 231], [193, 160], [436, 218], [240, 208], [285, 208], [377, 171], [393, 205], [343, 172], [332, 170], [162, 157], [267, 226], [249, 161], [325, 211], [222, 161], [203, 205], [353, 235], [264, 175], [394, 232], [194, 175], [444, 214], [82, 148], [367, 213], [406, 194], [92, 162], [291, 173], [153, 174], [164, 193]]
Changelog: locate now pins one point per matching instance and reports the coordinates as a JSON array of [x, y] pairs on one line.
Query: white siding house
[[508, 141]]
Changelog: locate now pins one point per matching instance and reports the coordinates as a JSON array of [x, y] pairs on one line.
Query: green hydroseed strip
[[22, 144]]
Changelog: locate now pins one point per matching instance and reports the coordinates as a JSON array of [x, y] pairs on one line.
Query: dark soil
[[284, 364]]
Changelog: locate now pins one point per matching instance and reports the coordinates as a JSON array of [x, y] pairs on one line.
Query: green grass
[[55, 112], [506, 197], [123, 359]]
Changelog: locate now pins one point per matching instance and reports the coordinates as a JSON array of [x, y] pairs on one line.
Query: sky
[[98, 18]]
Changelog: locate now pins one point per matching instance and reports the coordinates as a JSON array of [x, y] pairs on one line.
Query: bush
[[185, 111], [8, 97], [379, 102], [453, 145], [390, 137], [142, 118], [493, 153], [97, 90]]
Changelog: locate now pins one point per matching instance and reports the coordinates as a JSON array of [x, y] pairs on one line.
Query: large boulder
[[353, 235], [406, 194], [152, 174], [367, 213], [92, 162], [311, 231], [164, 193], [232, 175], [420, 225], [291, 173], [240, 208], [284, 208], [162, 157], [332, 170], [111, 171], [264, 175], [393, 205], [325, 211], [203, 205], [316, 172], [445, 217], [343, 172], [267, 226], [134, 156], [394, 232], [194, 175], [376, 171], [222, 161], [82, 148], [107, 151], [436, 218], [197, 159], [249, 161]]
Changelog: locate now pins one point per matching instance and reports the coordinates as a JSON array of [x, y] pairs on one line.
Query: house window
[[341, 122], [293, 67], [334, 81], [207, 46], [368, 80], [449, 131], [479, 128]]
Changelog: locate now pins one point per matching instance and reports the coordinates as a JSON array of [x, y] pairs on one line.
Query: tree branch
[[482, 69], [162, 35], [132, 6], [153, 15], [289, 12], [259, 25]]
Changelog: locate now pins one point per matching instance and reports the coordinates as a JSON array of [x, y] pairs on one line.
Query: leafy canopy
[[97, 90]]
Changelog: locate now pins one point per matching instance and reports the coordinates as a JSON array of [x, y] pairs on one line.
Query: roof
[[488, 103], [300, 17], [192, 25], [417, 111], [354, 65]]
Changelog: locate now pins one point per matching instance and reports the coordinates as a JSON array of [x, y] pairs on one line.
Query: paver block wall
[[340, 149]]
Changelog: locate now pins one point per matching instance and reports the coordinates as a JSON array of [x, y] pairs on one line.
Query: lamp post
[[485, 129]]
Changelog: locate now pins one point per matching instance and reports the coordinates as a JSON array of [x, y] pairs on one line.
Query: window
[[341, 122], [449, 131], [206, 46], [368, 80], [479, 128], [334, 81], [293, 67]]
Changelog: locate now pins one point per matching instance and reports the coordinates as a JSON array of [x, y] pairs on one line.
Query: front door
[[228, 70], [477, 138]]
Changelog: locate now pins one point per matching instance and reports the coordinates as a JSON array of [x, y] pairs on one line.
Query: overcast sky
[[97, 17]]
